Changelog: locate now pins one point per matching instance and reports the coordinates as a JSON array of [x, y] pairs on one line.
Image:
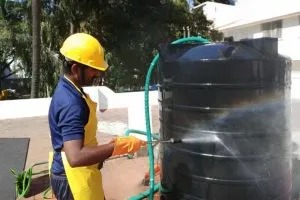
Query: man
[[72, 120]]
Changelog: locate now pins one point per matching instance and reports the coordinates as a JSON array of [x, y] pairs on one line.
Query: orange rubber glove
[[127, 145]]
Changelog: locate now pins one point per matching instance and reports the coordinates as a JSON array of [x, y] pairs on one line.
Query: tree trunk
[[36, 47], [74, 27]]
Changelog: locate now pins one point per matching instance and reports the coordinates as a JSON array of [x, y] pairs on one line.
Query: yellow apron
[[85, 182]]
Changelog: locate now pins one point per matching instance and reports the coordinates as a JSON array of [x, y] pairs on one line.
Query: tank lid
[[244, 49], [221, 51]]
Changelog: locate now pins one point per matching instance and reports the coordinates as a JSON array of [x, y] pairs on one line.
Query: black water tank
[[230, 103]]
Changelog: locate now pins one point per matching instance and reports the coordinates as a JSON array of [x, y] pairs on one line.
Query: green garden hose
[[152, 187], [24, 179]]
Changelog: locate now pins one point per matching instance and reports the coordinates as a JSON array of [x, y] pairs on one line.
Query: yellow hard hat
[[85, 49]]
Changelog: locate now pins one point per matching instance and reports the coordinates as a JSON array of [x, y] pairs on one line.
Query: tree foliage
[[129, 30], [13, 38]]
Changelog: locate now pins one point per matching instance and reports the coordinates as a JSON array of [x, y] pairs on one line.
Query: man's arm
[[79, 155]]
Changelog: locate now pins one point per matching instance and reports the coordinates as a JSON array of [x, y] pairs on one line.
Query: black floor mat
[[13, 154]]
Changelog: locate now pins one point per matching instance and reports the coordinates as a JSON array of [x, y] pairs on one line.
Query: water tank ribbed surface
[[230, 103]]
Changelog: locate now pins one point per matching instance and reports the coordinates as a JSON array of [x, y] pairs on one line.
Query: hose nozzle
[[171, 141], [175, 140]]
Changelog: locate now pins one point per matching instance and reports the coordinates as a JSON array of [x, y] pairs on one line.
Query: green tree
[[13, 37], [130, 31]]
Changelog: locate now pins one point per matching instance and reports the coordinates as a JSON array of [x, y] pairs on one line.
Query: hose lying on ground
[[24, 180]]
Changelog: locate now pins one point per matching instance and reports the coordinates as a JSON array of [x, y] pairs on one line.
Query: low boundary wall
[[103, 96], [106, 99]]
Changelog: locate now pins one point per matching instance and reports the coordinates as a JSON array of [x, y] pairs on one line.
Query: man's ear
[[74, 69]]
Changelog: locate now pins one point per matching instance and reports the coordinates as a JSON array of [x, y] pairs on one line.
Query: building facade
[[260, 18]]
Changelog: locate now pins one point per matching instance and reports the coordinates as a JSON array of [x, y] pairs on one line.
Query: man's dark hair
[[67, 64]]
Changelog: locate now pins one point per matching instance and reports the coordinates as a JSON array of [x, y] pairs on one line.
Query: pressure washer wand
[[170, 141]]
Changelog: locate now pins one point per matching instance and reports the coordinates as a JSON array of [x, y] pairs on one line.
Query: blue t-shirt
[[68, 115]]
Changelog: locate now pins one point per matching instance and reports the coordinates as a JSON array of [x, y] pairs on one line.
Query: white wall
[[295, 90], [106, 99], [245, 18], [11, 109], [288, 44], [246, 32]]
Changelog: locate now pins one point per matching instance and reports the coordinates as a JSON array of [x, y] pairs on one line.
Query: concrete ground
[[122, 177]]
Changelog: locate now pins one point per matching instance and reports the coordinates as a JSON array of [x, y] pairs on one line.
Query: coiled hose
[[24, 179]]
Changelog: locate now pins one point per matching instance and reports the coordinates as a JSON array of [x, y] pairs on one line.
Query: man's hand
[[126, 145]]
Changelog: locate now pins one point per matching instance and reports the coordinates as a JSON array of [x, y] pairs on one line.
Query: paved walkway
[[122, 177]]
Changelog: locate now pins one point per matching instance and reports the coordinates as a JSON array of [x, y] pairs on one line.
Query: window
[[272, 29]]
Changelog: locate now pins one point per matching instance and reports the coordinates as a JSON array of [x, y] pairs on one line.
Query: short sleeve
[[73, 119]]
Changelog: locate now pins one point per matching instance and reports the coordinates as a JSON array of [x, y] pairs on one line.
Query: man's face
[[91, 75], [85, 76]]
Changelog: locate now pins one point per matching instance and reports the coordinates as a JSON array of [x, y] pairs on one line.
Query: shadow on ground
[[38, 185]]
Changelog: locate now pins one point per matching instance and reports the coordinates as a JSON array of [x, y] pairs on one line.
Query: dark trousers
[[60, 187]]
